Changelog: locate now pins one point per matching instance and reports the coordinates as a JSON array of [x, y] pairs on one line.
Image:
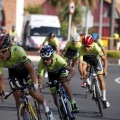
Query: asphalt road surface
[[88, 108]]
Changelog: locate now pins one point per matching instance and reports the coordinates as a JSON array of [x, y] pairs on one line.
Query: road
[[88, 108]]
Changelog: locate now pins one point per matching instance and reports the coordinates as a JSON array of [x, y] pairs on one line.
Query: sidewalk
[[110, 60], [34, 56]]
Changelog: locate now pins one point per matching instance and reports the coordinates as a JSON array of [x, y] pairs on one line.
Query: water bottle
[[11, 84]]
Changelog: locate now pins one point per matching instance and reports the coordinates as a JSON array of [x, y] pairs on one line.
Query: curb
[[114, 61]]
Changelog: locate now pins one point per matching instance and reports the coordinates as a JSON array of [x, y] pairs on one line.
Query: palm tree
[[77, 16]]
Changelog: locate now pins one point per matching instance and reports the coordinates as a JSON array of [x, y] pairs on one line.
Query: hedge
[[113, 54]]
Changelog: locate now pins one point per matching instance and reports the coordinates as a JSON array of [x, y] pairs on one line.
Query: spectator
[[3, 30], [13, 35]]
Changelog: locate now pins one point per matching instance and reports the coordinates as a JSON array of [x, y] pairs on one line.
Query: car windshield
[[44, 31]]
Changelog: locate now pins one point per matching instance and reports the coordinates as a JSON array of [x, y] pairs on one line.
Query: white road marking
[[117, 80]]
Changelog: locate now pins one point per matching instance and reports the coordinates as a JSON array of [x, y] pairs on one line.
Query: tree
[[77, 16], [37, 9]]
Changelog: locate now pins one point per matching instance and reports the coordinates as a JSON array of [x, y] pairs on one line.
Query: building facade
[[12, 13]]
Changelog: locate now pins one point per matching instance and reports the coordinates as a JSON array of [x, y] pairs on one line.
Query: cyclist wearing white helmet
[[57, 69], [71, 49]]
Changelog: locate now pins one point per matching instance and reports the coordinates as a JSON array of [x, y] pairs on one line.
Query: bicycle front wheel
[[24, 112], [59, 106], [98, 99], [38, 108]]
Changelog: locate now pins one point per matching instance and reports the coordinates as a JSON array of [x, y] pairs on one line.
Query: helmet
[[46, 51], [95, 36], [3, 28], [13, 26], [87, 40], [51, 34], [4, 41], [76, 37]]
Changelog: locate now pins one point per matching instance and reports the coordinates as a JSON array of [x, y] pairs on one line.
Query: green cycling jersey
[[95, 50], [17, 59], [100, 44], [57, 64], [74, 47], [54, 42]]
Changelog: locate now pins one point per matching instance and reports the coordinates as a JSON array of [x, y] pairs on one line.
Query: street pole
[[69, 26], [71, 9], [112, 24], [86, 21], [101, 17]]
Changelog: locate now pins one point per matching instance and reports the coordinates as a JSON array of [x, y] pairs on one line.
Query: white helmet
[[76, 37]]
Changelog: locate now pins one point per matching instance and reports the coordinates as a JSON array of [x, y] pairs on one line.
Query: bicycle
[[63, 102], [94, 88], [25, 106]]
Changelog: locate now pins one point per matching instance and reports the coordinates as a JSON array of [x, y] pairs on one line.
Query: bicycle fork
[[95, 82]]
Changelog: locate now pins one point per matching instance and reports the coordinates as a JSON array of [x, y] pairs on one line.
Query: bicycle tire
[[21, 109], [37, 109], [67, 108], [98, 99], [59, 107]]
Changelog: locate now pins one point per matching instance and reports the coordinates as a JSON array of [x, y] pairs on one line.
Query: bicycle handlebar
[[55, 82], [19, 88]]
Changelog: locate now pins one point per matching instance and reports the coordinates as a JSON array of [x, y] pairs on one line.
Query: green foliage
[[37, 9], [64, 18], [64, 30], [113, 54]]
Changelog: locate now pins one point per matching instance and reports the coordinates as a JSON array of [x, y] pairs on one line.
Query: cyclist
[[99, 42], [57, 69], [53, 41], [71, 49], [20, 67], [3, 30], [90, 52], [14, 36]]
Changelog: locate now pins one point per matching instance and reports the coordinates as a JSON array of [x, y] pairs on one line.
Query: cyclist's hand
[[36, 86], [105, 74], [2, 95], [40, 86], [82, 77]]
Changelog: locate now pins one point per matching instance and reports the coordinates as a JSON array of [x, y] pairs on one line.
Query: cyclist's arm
[[58, 50], [32, 72], [103, 50], [63, 52], [100, 44], [2, 82], [43, 44], [71, 73], [104, 59], [80, 67], [40, 80]]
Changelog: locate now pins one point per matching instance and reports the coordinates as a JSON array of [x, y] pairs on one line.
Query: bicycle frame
[[95, 88], [24, 100], [62, 96], [94, 80]]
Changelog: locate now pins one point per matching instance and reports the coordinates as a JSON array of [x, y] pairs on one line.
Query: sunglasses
[[87, 46], [4, 50], [46, 59]]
